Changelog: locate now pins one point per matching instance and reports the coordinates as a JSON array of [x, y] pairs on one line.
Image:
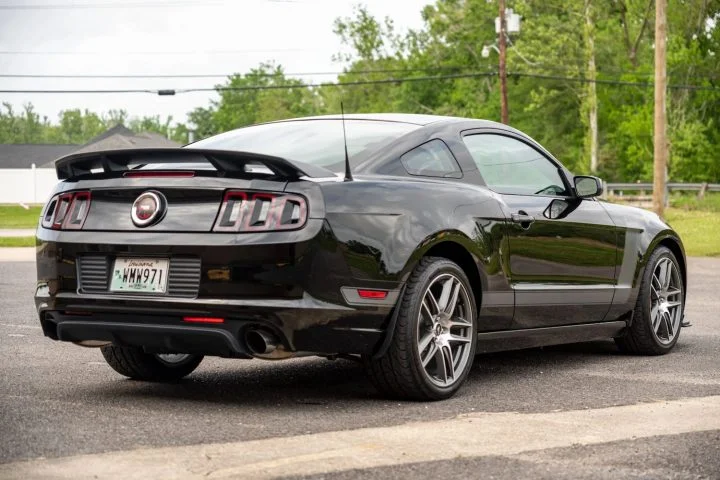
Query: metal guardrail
[[636, 187]]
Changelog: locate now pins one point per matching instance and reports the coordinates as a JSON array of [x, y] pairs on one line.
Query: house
[[27, 171], [120, 136], [23, 155]]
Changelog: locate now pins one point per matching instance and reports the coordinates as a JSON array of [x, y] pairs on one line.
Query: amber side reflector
[[218, 274], [203, 320], [373, 294]]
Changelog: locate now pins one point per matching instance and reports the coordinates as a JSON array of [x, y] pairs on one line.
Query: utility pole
[[660, 139], [591, 99], [502, 70]]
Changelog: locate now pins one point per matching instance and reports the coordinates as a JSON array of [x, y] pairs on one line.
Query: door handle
[[522, 218]]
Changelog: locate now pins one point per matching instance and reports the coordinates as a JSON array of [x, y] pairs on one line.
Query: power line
[[218, 75], [615, 82], [369, 82], [145, 52], [145, 4], [265, 87], [604, 71], [344, 84]]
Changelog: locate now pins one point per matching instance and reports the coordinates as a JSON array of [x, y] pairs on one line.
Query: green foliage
[[76, 126], [258, 96], [553, 43], [548, 62], [22, 127]]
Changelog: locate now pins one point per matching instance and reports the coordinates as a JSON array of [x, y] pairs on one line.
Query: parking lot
[[577, 411]]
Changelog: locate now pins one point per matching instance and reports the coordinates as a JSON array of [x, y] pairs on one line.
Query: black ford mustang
[[429, 239]]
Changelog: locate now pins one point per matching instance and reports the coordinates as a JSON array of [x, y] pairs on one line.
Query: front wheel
[[133, 362], [433, 345], [659, 309]]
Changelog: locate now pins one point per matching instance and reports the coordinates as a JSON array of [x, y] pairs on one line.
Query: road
[[578, 411]]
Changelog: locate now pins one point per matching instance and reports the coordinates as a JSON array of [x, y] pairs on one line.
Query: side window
[[431, 159], [510, 166]]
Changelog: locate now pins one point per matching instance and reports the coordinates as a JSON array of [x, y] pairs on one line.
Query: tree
[[25, 127], [579, 82], [572, 71], [153, 124], [261, 95], [78, 127]]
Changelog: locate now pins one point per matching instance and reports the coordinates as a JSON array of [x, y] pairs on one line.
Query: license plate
[[140, 275]]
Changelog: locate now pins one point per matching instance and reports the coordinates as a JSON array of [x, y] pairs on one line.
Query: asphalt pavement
[[59, 402]]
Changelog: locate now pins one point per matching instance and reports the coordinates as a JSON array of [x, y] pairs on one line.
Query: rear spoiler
[[226, 162]]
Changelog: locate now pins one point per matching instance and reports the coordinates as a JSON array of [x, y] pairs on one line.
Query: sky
[[167, 37]]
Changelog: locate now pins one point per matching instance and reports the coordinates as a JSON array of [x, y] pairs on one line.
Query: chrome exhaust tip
[[93, 343], [261, 342]]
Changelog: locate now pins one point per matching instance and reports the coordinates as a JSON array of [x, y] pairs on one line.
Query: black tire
[[399, 373], [639, 338], [134, 363]]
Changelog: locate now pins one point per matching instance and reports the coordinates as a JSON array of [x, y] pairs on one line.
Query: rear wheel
[[433, 345], [659, 309], [133, 362]]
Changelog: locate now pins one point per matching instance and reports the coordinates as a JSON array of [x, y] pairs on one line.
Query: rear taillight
[[67, 211], [61, 209], [260, 211], [49, 214]]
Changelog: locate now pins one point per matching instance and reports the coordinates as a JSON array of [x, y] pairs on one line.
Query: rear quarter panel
[[385, 226]]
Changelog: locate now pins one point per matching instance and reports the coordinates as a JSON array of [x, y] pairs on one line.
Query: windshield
[[317, 142]]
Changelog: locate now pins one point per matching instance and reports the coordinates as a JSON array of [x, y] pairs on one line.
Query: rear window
[[318, 142], [431, 159]]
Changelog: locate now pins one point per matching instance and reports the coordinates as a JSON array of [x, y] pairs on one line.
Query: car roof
[[413, 118]]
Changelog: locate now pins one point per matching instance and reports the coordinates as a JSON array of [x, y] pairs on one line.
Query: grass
[[699, 230], [689, 201], [15, 216], [17, 241], [697, 222]]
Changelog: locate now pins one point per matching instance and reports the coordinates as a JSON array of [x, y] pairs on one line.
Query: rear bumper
[[302, 325], [290, 283]]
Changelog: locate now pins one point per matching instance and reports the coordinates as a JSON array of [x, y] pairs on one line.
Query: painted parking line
[[473, 435]]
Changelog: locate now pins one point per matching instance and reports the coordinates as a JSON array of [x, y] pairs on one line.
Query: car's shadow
[[315, 381]]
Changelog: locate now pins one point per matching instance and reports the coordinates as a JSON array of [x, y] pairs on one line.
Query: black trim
[[226, 162], [538, 337], [390, 330], [155, 337]]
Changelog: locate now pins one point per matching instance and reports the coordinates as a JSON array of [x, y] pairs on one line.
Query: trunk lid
[[190, 188]]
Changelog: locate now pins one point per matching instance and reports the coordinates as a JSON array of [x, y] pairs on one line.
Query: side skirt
[[538, 337]]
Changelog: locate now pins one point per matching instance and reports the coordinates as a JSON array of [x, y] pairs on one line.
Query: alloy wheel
[[666, 301], [444, 334]]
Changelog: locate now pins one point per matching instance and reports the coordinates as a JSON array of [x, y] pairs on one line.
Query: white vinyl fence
[[26, 185]]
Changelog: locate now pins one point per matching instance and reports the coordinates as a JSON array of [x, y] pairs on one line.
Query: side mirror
[[587, 186]]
